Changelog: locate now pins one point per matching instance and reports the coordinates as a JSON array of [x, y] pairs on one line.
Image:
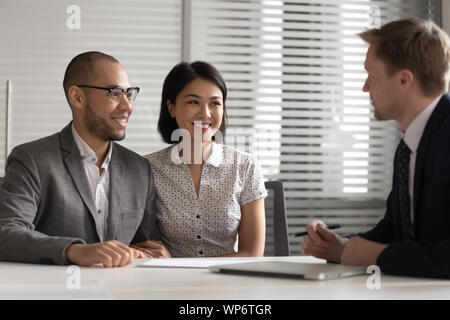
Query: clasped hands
[[325, 244], [113, 253]]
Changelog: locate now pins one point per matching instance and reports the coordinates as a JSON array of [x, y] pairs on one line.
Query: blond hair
[[417, 45]]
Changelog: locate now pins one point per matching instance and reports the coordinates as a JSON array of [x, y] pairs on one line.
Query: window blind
[[39, 38], [294, 70]]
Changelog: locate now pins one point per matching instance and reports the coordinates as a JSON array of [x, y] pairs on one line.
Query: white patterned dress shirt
[[206, 225], [99, 184]]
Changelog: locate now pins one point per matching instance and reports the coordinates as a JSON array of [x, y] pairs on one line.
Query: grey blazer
[[46, 205]]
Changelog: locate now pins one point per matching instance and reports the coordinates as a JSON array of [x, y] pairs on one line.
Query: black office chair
[[277, 242]]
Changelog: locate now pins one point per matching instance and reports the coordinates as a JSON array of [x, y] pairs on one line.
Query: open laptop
[[310, 271]]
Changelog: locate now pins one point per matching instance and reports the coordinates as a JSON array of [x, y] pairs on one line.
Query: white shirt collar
[[414, 132], [216, 156], [87, 154], [214, 159]]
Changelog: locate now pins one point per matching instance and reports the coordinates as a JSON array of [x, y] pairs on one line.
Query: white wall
[[446, 15]]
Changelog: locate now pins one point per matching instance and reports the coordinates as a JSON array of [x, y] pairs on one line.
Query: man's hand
[[321, 242], [361, 252], [152, 249], [110, 254]]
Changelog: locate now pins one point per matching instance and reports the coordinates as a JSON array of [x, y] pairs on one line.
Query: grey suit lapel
[[74, 165], [115, 193], [116, 167]]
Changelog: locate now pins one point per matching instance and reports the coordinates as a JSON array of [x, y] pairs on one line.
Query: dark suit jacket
[[46, 203], [429, 254]]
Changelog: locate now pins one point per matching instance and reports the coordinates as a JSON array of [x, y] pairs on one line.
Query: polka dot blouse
[[205, 225]]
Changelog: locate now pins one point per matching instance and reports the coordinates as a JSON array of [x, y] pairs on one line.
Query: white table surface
[[28, 281]]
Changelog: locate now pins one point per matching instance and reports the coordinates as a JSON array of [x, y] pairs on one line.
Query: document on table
[[202, 263]]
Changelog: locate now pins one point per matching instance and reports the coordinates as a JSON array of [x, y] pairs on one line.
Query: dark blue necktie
[[403, 191]]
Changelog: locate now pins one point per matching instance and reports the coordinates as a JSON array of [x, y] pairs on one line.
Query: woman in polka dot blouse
[[210, 197]]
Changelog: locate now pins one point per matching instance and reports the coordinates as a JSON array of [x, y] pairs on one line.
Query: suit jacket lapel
[[74, 165], [116, 167], [438, 116]]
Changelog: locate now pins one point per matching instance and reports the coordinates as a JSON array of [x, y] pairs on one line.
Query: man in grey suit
[[76, 197]]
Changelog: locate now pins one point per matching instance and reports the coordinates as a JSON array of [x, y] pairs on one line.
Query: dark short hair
[[81, 69], [178, 78]]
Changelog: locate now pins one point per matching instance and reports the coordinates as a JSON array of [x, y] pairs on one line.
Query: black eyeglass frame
[[137, 89]]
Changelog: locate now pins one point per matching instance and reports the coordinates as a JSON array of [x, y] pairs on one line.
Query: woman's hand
[[152, 249]]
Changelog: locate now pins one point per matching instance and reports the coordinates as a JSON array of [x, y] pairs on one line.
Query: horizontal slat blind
[[37, 45], [294, 70]]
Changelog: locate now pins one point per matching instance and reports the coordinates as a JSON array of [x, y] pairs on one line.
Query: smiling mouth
[[201, 125], [121, 121]]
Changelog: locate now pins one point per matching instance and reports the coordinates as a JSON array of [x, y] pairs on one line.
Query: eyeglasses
[[116, 93]]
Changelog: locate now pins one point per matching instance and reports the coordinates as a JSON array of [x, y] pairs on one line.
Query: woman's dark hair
[[180, 76]]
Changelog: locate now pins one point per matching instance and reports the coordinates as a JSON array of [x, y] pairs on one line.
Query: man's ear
[[406, 79], [77, 97], [170, 108]]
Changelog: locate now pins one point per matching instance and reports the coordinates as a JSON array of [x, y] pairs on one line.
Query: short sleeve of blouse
[[254, 187]]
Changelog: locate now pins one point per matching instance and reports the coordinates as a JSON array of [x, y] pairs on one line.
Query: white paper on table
[[202, 263]]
